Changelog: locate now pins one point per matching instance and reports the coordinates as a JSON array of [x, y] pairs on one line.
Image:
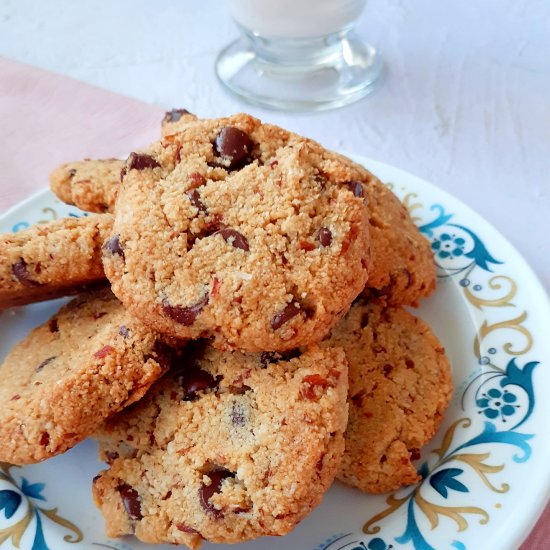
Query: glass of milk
[[298, 55]]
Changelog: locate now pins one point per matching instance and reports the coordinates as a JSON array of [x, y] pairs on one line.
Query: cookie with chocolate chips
[[52, 259], [402, 267], [241, 231], [91, 185], [226, 447], [399, 387], [175, 121], [67, 376]]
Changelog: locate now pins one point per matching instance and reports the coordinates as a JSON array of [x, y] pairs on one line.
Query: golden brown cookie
[[226, 447], [402, 265], [241, 231], [400, 385], [91, 185], [402, 268], [175, 121], [52, 259], [67, 376]]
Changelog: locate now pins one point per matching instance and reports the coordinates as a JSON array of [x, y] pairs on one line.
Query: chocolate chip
[[269, 357], [194, 379], [238, 414], [53, 325], [321, 180], [195, 197], [185, 316], [163, 354], [71, 172], [44, 363], [387, 368], [140, 161], [193, 354], [124, 331], [130, 499], [409, 363], [234, 147], [19, 269], [234, 238], [110, 456], [114, 247], [415, 454], [325, 236], [44, 439], [174, 115], [206, 492], [357, 399], [290, 311], [356, 187]]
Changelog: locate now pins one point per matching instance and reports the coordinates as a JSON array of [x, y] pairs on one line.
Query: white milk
[[295, 18]]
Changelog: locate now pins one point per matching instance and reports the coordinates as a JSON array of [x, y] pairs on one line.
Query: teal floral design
[[349, 542], [456, 248], [495, 403], [14, 496], [50, 214], [503, 397], [448, 246], [443, 480]]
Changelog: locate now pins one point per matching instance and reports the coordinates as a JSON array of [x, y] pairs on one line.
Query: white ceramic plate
[[487, 472]]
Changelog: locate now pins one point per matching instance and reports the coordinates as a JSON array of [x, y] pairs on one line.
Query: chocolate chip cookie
[[402, 268], [241, 231], [51, 260], [175, 121], [226, 447], [68, 375], [91, 185], [400, 385]]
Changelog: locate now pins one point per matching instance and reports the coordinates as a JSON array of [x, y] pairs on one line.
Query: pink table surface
[[47, 119]]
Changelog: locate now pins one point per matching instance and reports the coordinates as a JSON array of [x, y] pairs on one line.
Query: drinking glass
[[297, 55]]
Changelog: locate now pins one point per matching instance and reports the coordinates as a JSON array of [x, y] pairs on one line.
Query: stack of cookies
[[240, 291]]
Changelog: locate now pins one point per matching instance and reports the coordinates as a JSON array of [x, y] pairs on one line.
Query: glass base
[[300, 75]]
